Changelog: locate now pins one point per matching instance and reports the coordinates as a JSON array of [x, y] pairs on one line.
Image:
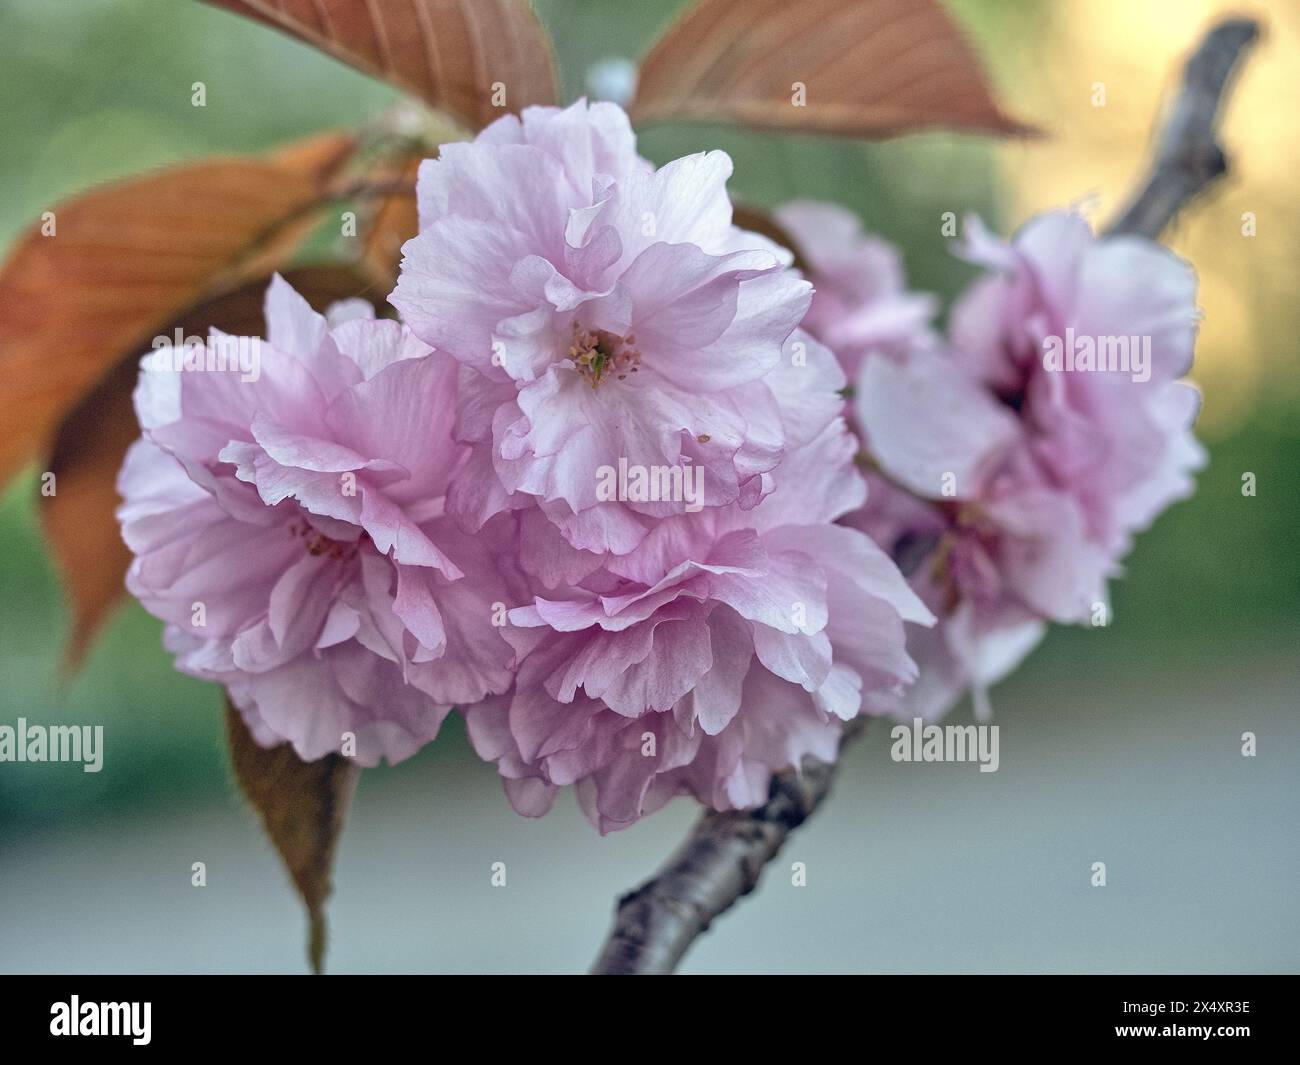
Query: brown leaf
[[390, 217], [447, 52], [871, 68], [394, 221], [302, 806], [125, 258], [79, 519]]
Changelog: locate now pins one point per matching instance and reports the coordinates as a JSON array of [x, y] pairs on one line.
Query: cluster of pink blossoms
[[597, 489], [1013, 458]]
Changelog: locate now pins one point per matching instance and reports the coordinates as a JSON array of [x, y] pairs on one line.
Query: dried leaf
[[450, 53], [127, 257], [79, 519], [868, 68], [302, 806]]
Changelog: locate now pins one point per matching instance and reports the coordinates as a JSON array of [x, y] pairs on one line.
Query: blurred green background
[[1121, 744]]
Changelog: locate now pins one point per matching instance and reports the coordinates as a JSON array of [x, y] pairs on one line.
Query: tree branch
[[1188, 156], [722, 859]]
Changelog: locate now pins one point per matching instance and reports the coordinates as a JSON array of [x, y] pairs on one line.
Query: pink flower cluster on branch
[[598, 490], [1012, 459]]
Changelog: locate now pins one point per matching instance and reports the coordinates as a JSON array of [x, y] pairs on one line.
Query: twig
[[718, 863], [722, 859], [1188, 156]]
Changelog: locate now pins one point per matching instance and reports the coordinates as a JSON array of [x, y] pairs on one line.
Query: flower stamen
[[599, 353]]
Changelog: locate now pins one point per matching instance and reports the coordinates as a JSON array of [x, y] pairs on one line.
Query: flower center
[[317, 543], [600, 355]]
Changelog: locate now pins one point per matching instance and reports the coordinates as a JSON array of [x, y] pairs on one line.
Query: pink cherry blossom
[[724, 647], [1121, 446], [862, 303], [1008, 488], [602, 309], [288, 527]]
